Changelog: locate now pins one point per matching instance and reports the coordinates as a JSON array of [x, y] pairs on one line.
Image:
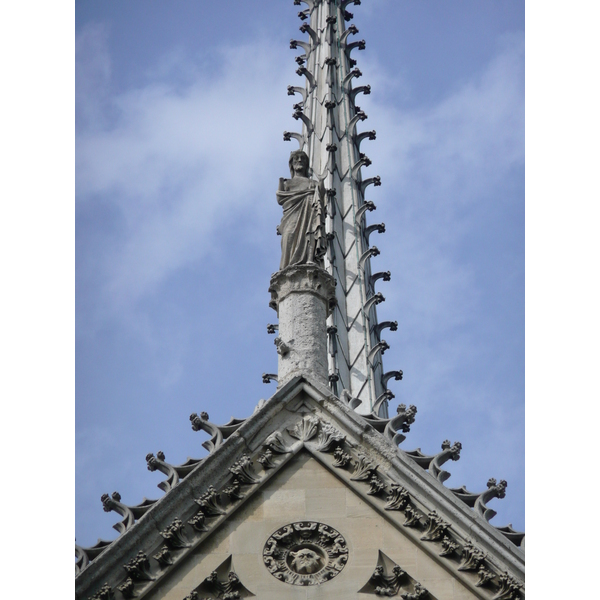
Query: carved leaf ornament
[[389, 579]]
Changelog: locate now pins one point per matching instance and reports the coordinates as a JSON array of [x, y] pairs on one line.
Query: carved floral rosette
[[305, 553]]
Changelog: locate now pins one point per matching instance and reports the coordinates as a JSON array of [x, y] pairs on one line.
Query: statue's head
[[298, 163]]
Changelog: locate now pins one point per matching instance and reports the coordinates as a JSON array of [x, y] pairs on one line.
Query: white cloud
[[469, 139], [180, 161], [441, 167]]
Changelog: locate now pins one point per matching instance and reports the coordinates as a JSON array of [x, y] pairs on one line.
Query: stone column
[[303, 296]]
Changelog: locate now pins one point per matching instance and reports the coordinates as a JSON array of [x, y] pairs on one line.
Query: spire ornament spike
[[377, 298], [367, 206], [362, 89], [397, 375], [288, 135], [306, 47], [367, 135], [373, 251], [361, 45], [385, 275], [306, 28], [351, 30]]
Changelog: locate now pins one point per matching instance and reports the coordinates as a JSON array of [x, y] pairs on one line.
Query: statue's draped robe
[[302, 227]]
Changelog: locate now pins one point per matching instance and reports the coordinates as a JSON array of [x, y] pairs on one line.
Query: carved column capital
[[299, 279]]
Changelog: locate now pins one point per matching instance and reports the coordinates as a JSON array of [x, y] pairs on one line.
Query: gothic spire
[[327, 108]]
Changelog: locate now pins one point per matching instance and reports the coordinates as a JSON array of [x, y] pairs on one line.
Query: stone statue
[[302, 226]]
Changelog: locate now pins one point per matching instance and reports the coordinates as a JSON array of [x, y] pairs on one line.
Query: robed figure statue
[[302, 226]]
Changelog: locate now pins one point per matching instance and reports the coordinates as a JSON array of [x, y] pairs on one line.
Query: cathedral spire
[[327, 108]]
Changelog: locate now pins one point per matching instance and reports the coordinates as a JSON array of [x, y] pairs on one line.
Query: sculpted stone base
[[303, 296]]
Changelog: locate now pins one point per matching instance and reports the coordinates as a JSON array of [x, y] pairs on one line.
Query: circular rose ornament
[[305, 553]]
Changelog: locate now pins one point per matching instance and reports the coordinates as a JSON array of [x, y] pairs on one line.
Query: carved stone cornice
[[397, 498], [276, 443], [104, 593], [472, 558], [234, 491], [364, 467], [419, 593], [413, 518], [330, 438], [484, 576], [341, 458], [163, 557], [198, 521], [509, 588], [449, 547], [305, 429], [265, 459], [375, 485], [242, 469], [127, 588], [210, 502]]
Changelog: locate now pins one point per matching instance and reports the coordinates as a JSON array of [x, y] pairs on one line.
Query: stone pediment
[[250, 461]]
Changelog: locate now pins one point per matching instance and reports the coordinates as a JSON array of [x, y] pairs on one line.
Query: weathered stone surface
[[302, 296]]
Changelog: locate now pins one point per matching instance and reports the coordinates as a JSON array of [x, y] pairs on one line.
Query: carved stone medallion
[[305, 553]]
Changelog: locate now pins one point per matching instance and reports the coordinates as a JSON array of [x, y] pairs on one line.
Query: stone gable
[[307, 479], [307, 492]]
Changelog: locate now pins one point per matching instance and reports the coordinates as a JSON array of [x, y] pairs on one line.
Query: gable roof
[[359, 450]]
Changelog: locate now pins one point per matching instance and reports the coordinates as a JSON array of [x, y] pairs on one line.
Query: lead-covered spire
[[330, 116]]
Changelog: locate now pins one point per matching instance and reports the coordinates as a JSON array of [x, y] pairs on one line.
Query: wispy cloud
[[443, 169], [178, 161], [448, 173]]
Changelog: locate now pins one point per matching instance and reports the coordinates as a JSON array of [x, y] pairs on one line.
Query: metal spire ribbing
[[329, 114]]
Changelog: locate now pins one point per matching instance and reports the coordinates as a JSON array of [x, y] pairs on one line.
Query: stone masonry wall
[[306, 491]]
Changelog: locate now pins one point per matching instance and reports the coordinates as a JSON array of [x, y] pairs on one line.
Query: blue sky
[[180, 109]]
